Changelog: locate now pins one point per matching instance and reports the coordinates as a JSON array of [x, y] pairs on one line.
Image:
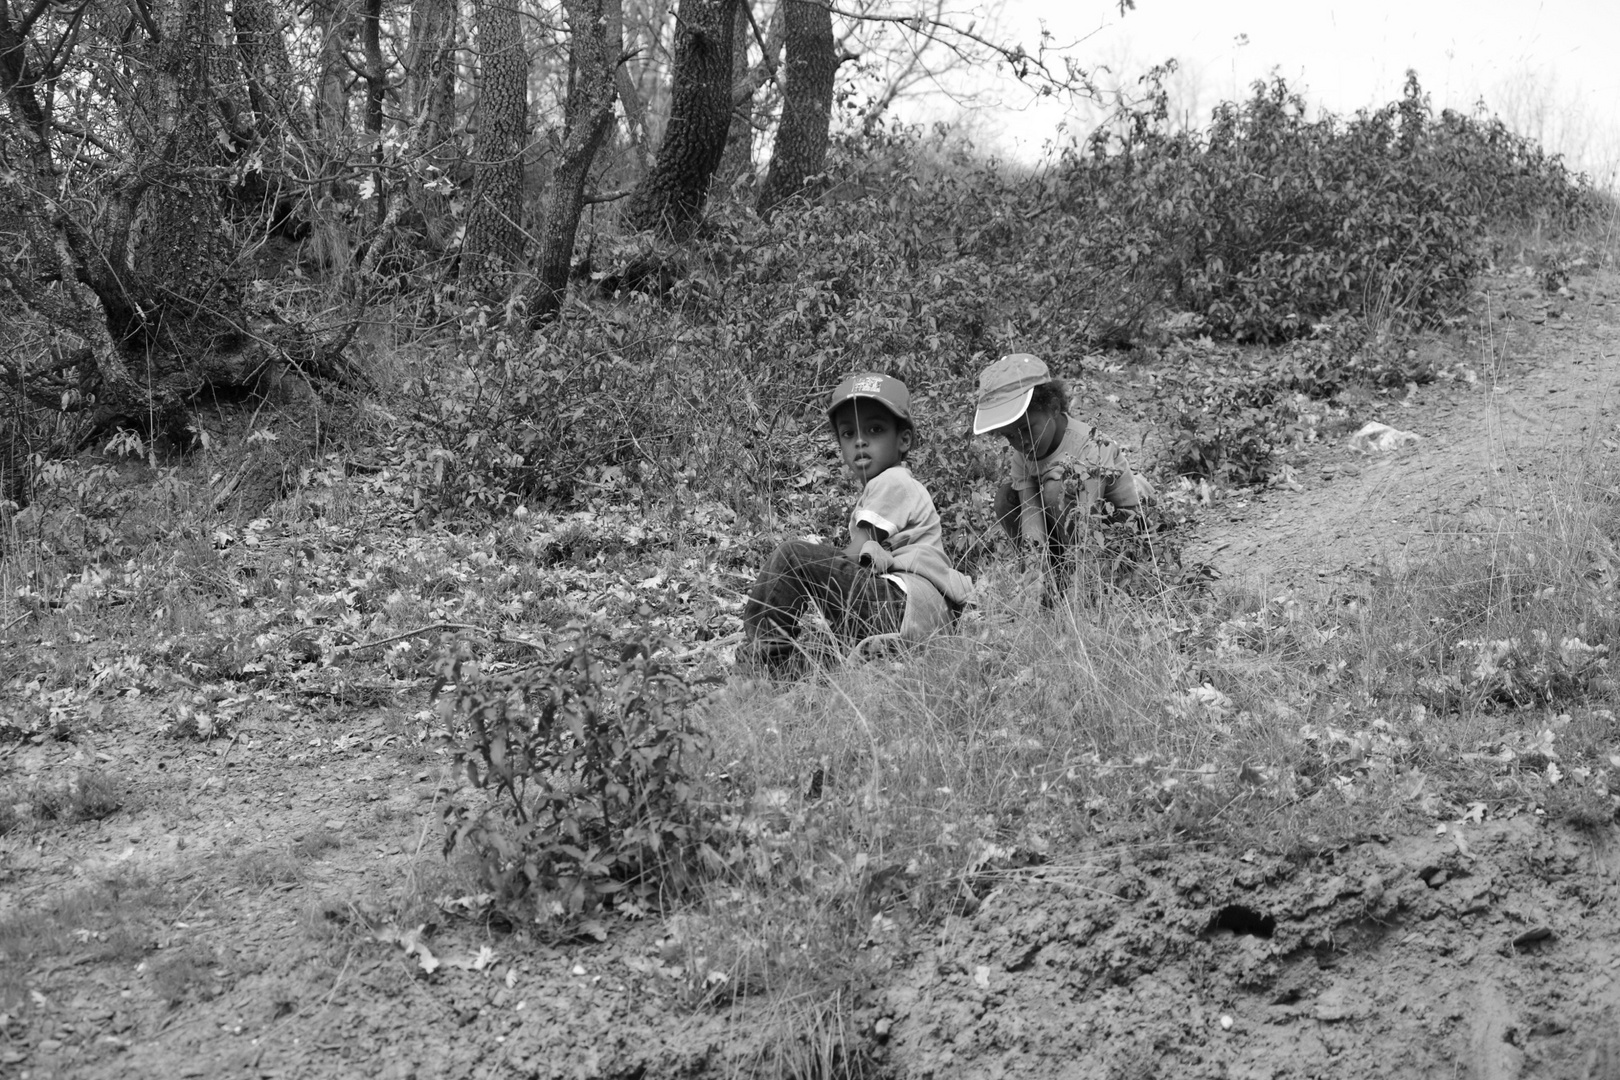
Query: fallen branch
[[496, 637], [707, 646]]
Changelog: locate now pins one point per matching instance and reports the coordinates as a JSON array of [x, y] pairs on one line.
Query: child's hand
[[1031, 554]]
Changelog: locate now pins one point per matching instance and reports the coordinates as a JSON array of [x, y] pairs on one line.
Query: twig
[[494, 635], [592, 198], [15, 621], [346, 649], [707, 646], [347, 956]]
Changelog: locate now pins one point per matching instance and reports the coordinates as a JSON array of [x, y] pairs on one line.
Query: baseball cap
[[889, 392], [1005, 388]]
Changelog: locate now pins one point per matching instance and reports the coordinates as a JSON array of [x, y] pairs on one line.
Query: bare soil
[[1544, 374], [241, 914]]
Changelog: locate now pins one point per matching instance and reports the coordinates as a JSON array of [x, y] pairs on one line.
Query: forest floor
[[273, 902]]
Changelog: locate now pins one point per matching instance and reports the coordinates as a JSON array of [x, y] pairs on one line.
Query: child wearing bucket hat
[[894, 576], [1064, 473]]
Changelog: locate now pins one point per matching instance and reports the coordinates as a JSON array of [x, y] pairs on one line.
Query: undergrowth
[[627, 468], [592, 769], [1475, 682], [1342, 236]]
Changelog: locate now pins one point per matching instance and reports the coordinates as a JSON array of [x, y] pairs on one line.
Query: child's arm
[[1031, 516], [860, 534]]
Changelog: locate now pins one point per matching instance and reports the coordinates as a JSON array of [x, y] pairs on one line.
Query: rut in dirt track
[[1545, 372]]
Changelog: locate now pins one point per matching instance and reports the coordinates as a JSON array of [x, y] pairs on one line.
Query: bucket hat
[[1005, 389]]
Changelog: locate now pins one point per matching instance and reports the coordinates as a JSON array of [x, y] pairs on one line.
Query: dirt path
[[1545, 396]]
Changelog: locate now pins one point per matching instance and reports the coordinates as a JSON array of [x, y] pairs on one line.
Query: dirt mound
[[1487, 949]]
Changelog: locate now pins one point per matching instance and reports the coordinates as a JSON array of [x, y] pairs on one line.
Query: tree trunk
[[632, 105], [493, 244], [261, 41], [196, 287], [336, 21], [19, 83], [738, 160], [643, 41], [670, 198], [800, 149], [594, 47], [430, 74], [430, 87], [376, 80]]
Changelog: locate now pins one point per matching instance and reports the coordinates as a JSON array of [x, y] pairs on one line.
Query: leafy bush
[[1269, 221], [927, 260], [538, 421], [592, 768], [1227, 422]]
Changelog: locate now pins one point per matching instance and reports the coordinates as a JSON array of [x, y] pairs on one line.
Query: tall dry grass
[[1475, 679]]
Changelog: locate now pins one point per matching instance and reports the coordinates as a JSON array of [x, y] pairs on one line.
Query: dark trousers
[[856, 601]]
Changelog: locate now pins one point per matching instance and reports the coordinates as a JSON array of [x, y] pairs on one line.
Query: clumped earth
[[272, 903]]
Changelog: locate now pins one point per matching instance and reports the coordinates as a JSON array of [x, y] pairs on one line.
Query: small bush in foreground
[[592, 769], [86, 795]]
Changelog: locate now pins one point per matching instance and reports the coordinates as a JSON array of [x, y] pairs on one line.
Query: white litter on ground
[[1376, 438]]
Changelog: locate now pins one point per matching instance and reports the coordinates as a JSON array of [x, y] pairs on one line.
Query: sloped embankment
[[1485, 949]]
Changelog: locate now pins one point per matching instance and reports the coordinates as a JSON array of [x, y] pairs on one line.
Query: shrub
[[1228, 422], [1268, 221], [592, 767], [539, 421], [926, 260]]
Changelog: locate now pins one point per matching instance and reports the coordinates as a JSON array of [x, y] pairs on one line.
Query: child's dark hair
[[1051, 396]]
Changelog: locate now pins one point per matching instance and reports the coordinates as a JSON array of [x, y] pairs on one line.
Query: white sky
[[1550, 68]]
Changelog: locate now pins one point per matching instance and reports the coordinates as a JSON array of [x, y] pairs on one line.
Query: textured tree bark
[[596, 27], [754, 89], [261, 41], [493, 244], [336, 21], [430, 72], [632, 104], [429, 102], [376, 78], [671, 197], [800, 149], [19, 83], [279, 121], [195, 286], [738, 159]]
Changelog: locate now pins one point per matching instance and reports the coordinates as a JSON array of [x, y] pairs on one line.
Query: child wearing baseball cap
[[1063, 473], [894, 576]]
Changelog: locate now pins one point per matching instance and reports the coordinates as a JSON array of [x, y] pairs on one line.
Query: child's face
[[1034, 434], [869, 438]]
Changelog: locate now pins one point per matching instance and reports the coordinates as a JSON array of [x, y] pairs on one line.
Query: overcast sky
[[1551, 67]]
